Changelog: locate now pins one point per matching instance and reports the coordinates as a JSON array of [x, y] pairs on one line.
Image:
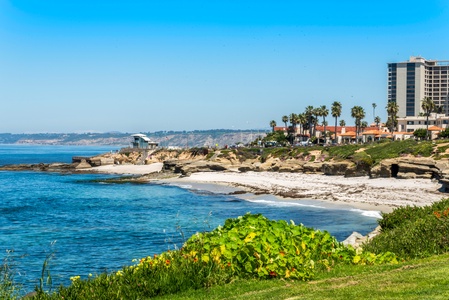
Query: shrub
[[420, 133], [362, 159], [254, 246], [414, 232], [444, 133]]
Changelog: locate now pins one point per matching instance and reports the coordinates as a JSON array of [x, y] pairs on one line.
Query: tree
[[438, 109], [358, 113], [285, 120], [363, 125], [444, 134], [293, 122], [392, 112], [309, 115], [316, 113], [374, 109], [420, 133], [336, 113], [377, 121], [342, 123], [302, 120], [428, 106], [277, 136], [324, 112], [273, 124]]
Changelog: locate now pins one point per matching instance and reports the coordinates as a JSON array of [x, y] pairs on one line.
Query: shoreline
[[379, 194], [376, 194]]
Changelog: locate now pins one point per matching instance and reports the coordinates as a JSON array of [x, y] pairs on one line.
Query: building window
[[410, 123]]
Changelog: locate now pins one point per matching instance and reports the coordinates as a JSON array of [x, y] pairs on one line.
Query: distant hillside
[[195, 138]]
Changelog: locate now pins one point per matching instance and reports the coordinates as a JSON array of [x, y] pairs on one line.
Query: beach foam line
[[368, 213], [278, 203]]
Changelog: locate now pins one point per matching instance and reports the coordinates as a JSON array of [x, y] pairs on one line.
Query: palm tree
[[336, 113], [293, 120], [392, 111], [374, 109], [377, 121], [285, 120], [273, 124], [309, 115], [428, 106], [363, 125], [302, 119], [342, 123], [358, 113], [316, 113], [324, 112]]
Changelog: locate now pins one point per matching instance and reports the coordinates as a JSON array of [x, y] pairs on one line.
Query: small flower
[[74, 278], [167, 261]]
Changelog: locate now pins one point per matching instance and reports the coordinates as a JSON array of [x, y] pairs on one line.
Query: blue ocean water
[[93, 226]]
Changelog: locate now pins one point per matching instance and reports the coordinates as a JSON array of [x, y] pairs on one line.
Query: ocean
[[89, 226]]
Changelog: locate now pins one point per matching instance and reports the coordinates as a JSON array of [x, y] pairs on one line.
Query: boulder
[[83, 165], [336, 168]]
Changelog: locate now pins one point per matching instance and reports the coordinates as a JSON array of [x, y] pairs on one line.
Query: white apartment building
[[409, 82], [410, 124]]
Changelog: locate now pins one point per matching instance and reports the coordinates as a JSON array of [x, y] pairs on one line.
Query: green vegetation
[[8, 288], [244, 248], [444, 134], [234, 261], [374, 153], [416, 280], [414, 232]]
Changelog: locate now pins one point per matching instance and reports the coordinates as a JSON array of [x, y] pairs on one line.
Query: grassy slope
[[418, 279]]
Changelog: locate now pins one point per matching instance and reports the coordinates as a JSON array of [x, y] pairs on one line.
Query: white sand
[[379, 194], [129, 169]]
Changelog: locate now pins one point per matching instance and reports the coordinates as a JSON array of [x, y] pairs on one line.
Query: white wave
[[282, 203], [368, 213], [184, 186]]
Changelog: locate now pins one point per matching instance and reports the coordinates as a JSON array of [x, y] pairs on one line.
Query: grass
[[417, 279]]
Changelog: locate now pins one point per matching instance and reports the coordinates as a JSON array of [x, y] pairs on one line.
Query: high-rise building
[[409, 82]]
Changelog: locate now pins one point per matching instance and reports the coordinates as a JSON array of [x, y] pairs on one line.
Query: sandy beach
[[381, 194], [129, 169]]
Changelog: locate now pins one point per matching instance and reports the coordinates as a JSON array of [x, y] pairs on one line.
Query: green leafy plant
[[414, 232], [254, 246]]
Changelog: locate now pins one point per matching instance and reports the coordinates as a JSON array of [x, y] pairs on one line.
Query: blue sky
[[137, 66]]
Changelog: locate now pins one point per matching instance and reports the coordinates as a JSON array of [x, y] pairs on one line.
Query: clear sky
[[142, 65]]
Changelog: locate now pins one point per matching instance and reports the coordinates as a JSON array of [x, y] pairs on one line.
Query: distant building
[[141, 141], [409, 82]]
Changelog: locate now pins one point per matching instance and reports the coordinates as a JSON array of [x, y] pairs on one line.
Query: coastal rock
[[188, 167], [313, 168], [83, 165], [359, 170], [416, 167], [335, 168], [356, 240]]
